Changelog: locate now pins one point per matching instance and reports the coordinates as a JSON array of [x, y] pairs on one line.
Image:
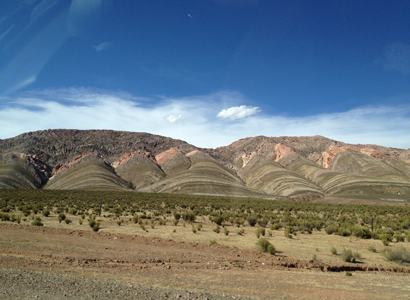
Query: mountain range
[[303, 168]]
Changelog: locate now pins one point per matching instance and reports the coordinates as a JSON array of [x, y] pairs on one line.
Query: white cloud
[[238, 112], [172, 118], [85, 109]]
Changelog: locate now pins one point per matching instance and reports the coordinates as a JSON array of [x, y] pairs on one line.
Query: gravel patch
[[21, 284]]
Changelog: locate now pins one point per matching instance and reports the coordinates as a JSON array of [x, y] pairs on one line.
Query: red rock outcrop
[[282, 150], [163, 157], [129, 155], [59, 168], [330, 154], [246, 157]]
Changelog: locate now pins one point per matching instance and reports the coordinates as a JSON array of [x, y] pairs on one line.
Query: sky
[[208, 72]]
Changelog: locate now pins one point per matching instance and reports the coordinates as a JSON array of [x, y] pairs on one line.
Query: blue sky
[[208, 72]]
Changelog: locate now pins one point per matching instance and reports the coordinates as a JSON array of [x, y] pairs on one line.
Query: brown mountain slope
[[295, 167]]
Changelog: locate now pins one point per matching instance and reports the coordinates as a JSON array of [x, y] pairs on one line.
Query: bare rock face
[[330, 154], [173, 161], [282, 150]]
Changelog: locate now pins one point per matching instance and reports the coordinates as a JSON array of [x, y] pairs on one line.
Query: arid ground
[[66, 261]]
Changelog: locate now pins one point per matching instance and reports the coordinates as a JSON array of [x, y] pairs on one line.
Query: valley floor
[[60, 261]]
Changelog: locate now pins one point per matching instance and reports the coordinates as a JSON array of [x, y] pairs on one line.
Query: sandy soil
[[184, 261]]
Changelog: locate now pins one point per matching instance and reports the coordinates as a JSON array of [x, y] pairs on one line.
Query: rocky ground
[[58, 263]]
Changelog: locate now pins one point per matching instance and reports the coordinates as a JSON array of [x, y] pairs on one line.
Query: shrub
[[36, 223], [119, 222], [371, 249], [213, 242], [67, 221], [217, 229], [386, 238], [95, 226], [177, 215], [343, 231], [176, 222], [12, 217], [252, 220], [218, 220], [226, 231], [142, 226], [349, 256], [193, 229], [348, 273], [288, 231], [4, 217], [135, 219], [275, 226], [361, 232], [260, 231], [264, 246], [239, 221], [153, 225], [241, 231], [262, 223], [199, 226], [46, 213], [399, 237], [334, 251], [80, 221], [398, 255], [61, 217]]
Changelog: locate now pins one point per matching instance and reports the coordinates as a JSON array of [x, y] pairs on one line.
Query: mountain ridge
[[296, 167]]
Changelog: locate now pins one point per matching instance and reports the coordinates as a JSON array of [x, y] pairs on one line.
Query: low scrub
[[398, 255], [264, 246], [350, 256]]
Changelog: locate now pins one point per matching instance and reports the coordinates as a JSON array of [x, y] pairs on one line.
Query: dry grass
[[301, 246]]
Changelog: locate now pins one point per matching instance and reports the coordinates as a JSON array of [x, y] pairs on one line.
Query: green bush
[[226, 231], [61, 217], [177, 215], [348, 256], [199, 226], [334, 251], [399, 237], [135, 219], [4, 217], [176, 222], [67, 221], [213, 242], [361, 232], [288, 231], [218, 220], [217, 229], [252, 219], [46, 213], [264, 246], [398, 255], [37, 222], [260, 231]]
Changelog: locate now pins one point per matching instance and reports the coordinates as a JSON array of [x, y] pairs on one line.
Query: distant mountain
[[302, 168]]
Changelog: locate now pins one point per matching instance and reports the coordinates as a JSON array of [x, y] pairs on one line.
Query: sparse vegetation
[[213, 242], [333, 251], [398, 255]]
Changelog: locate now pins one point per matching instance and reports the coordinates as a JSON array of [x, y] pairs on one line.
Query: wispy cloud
[[238, 112], [195, 119]]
